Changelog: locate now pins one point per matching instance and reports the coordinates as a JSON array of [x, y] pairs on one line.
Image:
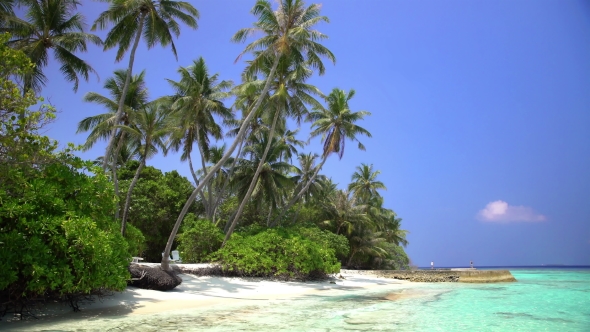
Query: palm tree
[[155, 20], [365, 241], [290, 97], [147, 129], [101, 125], [197, 100], [272, 182], [52, 24], [303, 175], [7, 14], [364, 184], [343, 212], [288, 30], [335, 123]]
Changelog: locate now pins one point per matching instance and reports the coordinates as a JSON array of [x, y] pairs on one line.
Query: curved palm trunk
[[226, 181], [254, 180], [124, 93], [190, 165], [114, 171], [165, 260], [301, 192], [128, 198], [351, 256], [206, 202]]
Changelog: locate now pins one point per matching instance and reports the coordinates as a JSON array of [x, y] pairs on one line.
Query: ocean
[[543, 299]]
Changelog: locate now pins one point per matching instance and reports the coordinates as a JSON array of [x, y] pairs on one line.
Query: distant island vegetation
[[257, 204]]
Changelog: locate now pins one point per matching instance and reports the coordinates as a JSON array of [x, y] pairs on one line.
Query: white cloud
[[500, 211]]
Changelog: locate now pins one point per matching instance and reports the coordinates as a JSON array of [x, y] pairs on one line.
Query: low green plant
[[135, 241], [276, 252], [199, 239]]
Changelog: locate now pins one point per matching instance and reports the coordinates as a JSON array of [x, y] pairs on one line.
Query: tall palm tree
[[290, 97], [335, 123], [364, 183], [101, 125], [271, 184], [53, 24], [197, 100], [343, 213], [288, 30], [148, 129], [155, 20]]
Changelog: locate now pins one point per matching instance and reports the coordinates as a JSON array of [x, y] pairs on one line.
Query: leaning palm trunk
[[206, 201], [190, 165], [128, 198], [165, 260], [301, 192], [114, 171], [119, 113], [254, 179], [226, 181]]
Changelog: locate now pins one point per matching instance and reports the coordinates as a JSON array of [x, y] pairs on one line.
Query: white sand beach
[[198, 292]]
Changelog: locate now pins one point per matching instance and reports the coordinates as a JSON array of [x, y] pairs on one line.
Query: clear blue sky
[[480, 115]]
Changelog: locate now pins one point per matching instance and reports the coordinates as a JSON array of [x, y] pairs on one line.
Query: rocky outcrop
[[470, 276], [147, 277]]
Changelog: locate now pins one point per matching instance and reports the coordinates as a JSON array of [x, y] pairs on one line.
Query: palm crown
[[52, 24]]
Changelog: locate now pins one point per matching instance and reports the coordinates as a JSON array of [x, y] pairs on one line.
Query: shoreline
[[197, 292]]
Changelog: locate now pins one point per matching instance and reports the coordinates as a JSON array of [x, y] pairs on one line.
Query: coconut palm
[[101, 125], [7, 14], [197, 100], [53, 25], [343, 212], [364, 184], [147, 129], [288, 30], [272, 183], [336, 123], [290, 97], [155, 20]]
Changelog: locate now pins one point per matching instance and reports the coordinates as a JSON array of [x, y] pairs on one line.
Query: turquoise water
[[541, 300]]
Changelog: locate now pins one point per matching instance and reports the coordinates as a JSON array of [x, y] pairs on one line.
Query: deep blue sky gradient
[[472, 102]]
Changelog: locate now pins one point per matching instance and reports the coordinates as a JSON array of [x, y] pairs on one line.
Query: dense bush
[[327, 239], [278, 253], [135, 241], [57, 233], [199, 239], [156, 202]]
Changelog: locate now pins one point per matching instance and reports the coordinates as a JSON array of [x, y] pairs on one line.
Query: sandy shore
[[195, 292]]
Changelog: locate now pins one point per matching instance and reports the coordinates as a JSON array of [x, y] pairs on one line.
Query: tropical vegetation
[[257, 203]]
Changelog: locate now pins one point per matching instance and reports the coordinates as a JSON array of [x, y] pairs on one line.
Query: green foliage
[[276, 252], [57, 234], [199, 239], [327, 239], [135, 241], [156, 201], [56, 230]]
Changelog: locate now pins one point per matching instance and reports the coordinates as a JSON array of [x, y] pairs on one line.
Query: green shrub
[[57, 231], [135, 241], [199, 239], [276, 252], [156, 202], [327, 239]]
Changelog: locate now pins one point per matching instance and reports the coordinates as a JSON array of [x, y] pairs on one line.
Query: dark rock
[[153, 278]]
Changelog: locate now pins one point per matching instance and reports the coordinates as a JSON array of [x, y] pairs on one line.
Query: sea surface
[[543, 299]]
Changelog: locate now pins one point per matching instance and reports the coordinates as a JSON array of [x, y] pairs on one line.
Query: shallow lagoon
[[541, 300]]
